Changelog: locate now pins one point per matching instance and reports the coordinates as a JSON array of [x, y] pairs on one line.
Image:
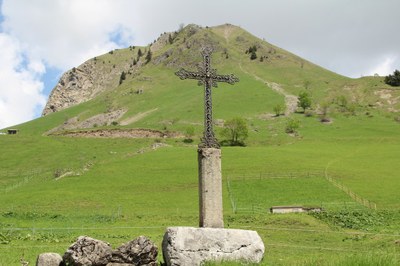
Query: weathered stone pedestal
[[189, 246], [210, 188]]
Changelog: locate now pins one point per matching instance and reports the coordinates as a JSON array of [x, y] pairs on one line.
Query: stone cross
[[209, 153], [209, 78]]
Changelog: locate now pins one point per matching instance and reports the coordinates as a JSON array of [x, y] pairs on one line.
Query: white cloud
[[59, 34], [66, 33], [386, 67], [20, 86]]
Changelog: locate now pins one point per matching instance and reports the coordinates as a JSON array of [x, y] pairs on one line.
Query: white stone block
[[189, 246]]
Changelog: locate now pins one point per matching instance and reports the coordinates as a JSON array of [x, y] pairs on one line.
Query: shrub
[[353, 219], [308, 113], [189, 133], [292, 125], [324, 118], [252, 51], [57, 173], [235, 132], [253, 55], [278, 109], [393, 80]]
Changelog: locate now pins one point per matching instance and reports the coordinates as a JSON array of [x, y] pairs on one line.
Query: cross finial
[[207, 76]]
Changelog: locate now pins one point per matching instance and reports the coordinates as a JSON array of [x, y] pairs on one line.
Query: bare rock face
[[87, 251], [74, 87], [194, 246], [49, 259], [139, 252], [82, 84]]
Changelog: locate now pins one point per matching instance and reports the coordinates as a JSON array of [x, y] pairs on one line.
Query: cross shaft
[[207, 76]]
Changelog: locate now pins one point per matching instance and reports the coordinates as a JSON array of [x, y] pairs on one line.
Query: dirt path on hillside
[[121, 133], [227, 32], [136, 117], [290, 99]]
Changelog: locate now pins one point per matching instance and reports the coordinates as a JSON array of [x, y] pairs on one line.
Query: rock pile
[[87, 251]]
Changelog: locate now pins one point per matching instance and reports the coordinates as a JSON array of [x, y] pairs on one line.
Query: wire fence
[[276, 175], [257, 208], [298, 231], [363, 201]]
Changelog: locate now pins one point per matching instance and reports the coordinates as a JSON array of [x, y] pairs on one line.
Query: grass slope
[[56, 188]]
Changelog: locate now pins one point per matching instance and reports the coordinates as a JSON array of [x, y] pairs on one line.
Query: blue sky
[[41, 39]]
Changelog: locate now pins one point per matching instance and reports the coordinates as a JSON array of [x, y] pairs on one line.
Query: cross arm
[[231, 79], [184, 74]]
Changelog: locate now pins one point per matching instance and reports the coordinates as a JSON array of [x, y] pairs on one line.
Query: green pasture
[[55, 188], [118, 189]]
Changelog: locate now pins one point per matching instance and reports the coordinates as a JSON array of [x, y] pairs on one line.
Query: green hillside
[[55, 187]]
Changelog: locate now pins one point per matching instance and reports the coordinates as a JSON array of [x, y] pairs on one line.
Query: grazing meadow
[[55, 187]]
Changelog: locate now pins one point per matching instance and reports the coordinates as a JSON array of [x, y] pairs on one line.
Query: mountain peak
[[128, 81]]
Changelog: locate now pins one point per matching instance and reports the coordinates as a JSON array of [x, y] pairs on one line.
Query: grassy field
[[116, 189], [56, 188]]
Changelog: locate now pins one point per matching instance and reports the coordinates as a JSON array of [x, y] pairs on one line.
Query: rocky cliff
[[82, 84], [102, 73], [99, 74]]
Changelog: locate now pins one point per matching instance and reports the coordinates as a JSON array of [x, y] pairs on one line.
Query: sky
[[41, 39]]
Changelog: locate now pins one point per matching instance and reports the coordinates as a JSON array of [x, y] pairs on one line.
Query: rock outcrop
[[86, 81], [81, 84]]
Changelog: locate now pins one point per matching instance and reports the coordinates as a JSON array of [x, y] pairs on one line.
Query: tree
[[139, 53], [148, 56], [252, 50], [235, 131], [122, 77], [304, 101], [393, 80]]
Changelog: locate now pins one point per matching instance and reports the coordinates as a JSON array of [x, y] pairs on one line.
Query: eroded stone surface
[[210, 188], [49, 259], [139, 252], [87, 251], [192, 246]]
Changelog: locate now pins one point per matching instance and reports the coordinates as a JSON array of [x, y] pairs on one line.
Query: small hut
[[12, 131], [294, 209]]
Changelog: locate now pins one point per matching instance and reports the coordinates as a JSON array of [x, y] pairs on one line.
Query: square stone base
[[193, 246]]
